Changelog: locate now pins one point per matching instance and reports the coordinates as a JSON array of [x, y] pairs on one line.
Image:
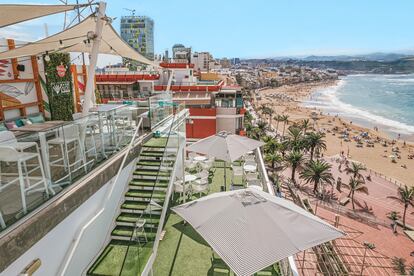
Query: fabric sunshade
[[73, 41], [13, 14], [251, 230], [225, 146]]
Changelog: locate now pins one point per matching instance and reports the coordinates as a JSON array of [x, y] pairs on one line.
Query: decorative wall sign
[[59, 86], [61, 70]]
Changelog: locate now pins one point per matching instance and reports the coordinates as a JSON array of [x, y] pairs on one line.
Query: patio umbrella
[[225, 146], [251, 230]]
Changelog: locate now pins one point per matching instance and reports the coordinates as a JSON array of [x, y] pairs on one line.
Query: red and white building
[[213, 106]]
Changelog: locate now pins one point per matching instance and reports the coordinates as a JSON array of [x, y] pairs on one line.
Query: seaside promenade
[[369, 223]]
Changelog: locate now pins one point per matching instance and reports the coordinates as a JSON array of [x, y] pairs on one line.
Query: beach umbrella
[[251, 230], [225, 146]]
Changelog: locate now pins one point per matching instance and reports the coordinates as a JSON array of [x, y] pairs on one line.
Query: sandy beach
[[378, 151]]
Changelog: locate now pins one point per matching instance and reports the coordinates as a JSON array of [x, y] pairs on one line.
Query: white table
[[200, 158], [249, 168]]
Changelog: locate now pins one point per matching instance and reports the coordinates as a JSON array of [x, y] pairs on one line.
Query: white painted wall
[[52, 249]]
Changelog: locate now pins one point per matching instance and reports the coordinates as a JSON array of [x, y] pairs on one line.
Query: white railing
[[177, 121], [104, 203], [288, 267]]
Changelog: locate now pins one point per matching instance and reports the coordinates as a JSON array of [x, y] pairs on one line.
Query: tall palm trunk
[[405, 211], [283, 133], [352, 199], [312, 151], [293, 174], [315, 187], [277, 126]]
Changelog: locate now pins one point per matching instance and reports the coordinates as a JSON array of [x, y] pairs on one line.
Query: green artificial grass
[[134, 205], [152, 154], [151, 172], [183, 251], [132, 218], [156, 142], [111, 261], [146, 194]]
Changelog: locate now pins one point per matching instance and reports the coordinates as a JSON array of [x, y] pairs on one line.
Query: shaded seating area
[[38, 160]]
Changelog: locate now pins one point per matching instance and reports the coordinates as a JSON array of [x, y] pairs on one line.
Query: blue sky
[[263, 28]]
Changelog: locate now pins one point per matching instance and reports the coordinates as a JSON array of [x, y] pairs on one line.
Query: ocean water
[[384, 101]]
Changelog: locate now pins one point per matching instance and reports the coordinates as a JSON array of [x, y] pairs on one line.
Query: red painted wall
[[202, 111], [201, 128]]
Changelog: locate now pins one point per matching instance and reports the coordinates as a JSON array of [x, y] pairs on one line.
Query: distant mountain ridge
[[379, 56]]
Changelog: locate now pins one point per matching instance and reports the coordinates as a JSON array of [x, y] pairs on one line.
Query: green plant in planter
[[59, 86]]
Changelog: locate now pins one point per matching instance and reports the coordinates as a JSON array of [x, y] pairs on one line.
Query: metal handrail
[[76, 240], [152, 193], [148, 266]]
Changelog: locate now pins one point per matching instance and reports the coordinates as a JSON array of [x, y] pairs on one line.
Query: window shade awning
[[13, 14], [73, 40]]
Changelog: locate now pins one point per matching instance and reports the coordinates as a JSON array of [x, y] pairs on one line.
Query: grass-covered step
[[126, 232], [132, 218], [137, 184], [157, 142], [145, 194], [149, 162], [152, 154], [121, 258], [147, 172], [159, 187], [132, 205], [143, 200], [148, 182]]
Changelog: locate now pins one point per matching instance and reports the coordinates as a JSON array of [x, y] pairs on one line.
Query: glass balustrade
[[40, 160]]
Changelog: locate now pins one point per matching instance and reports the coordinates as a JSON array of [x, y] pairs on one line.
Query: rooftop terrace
[[183, 251]]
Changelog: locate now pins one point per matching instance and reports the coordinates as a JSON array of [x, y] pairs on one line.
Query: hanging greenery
[[59, 86]]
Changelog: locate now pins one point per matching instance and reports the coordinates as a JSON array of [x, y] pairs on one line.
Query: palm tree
[[315, 141], [355, 170], [284, 146], [262, 126], [255, 133], [271, 146], [305, 124], [406, 197], [268, 112], [318, 172], [356, 185], [295, 138], [294, 160], [285, 120], [273, 158], [278, 120]]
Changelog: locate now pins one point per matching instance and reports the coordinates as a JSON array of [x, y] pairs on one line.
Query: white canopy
[[13, 14], [251, 230], [225, 146], [73, 40]]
